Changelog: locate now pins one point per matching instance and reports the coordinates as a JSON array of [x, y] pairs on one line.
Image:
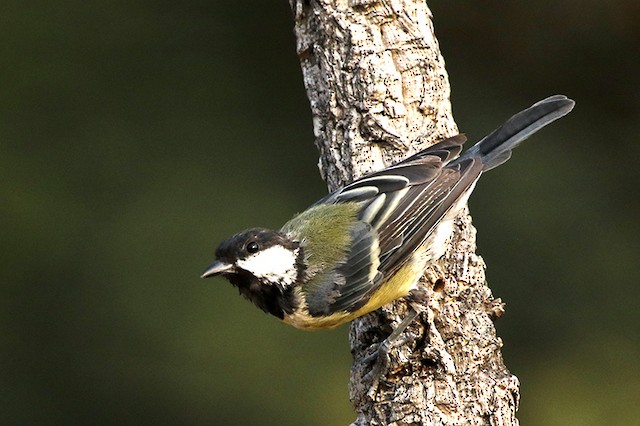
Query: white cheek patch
[[275, 264]]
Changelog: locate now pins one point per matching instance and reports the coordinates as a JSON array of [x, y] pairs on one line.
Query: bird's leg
[[382, 354], [380, 358], [415, 296]]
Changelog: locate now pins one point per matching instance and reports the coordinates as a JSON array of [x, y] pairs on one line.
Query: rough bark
[[379, 91]]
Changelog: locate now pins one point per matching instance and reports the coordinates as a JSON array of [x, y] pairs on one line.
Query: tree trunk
[[379, 91]]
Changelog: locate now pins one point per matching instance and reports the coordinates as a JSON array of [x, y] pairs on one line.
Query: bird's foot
[[380, 358]]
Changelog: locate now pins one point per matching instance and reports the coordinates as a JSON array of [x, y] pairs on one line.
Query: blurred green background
[[135, 135]]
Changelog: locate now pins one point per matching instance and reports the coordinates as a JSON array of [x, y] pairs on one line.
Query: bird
[[368, 243]]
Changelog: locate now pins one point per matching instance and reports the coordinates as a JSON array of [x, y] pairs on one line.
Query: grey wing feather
[[419, 168], [342, 288], [357, 194], [386, 198], [359, 274], [420, 213]]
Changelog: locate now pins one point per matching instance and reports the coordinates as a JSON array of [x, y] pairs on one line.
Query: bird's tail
[[495, 148]]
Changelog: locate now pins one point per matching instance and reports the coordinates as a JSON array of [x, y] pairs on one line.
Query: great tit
[[367, 244]]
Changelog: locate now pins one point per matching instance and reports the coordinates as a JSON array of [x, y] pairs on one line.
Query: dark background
[[135, 135]]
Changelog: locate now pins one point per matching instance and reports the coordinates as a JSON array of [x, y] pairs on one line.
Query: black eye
[[253, 247]]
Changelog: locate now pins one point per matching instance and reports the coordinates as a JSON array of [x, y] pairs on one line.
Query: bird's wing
[[399, 208]]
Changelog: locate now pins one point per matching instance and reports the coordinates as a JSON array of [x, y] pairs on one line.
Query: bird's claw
[[379, 361], [380, 358]]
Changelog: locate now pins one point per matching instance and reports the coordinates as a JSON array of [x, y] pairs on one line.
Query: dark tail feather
[[495, 148]]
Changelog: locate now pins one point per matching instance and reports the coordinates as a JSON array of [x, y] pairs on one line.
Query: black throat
[[273, 299]]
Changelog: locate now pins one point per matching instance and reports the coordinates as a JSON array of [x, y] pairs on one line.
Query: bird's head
[[258, 257]]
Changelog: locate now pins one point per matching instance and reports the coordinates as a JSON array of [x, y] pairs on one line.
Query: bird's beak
[[217, 268]]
